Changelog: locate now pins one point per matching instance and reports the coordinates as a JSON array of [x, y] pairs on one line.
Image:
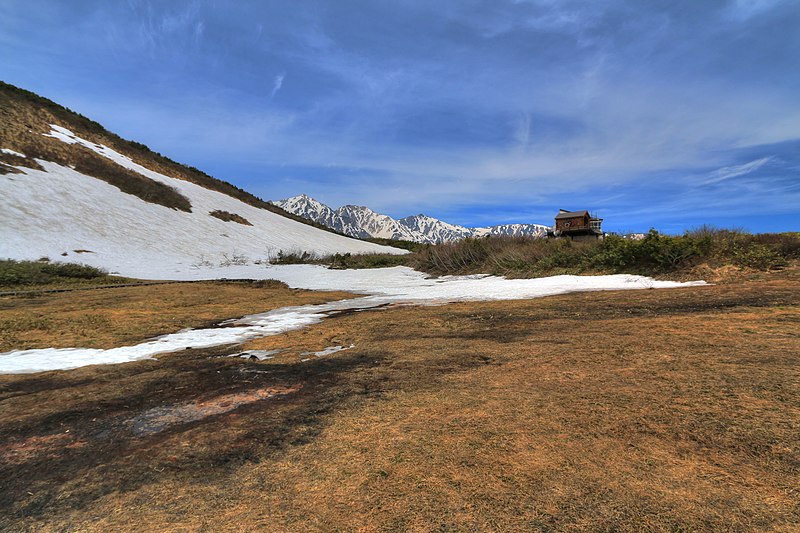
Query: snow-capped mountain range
[[362, 222]]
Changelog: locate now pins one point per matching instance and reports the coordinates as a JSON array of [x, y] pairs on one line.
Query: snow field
[[398, 285]]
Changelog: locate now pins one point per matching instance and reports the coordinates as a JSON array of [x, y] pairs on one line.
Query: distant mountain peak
[[362, 222]]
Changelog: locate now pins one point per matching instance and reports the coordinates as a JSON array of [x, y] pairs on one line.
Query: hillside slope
[[24, 114], [73, 191]]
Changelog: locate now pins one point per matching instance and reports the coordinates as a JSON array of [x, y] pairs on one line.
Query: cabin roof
[[572, 214]]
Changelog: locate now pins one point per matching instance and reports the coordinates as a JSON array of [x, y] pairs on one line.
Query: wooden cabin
[[577, 225]]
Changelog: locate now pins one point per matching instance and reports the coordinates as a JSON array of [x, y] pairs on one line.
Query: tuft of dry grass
[[659, 410]]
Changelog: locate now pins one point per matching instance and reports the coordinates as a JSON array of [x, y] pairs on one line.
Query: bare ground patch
[[225, 216]]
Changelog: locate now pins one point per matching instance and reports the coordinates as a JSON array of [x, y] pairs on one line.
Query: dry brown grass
[[105, 318], [655, 410], [664, 256]]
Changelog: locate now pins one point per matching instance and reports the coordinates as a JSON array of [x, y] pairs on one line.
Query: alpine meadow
[[509, 265]]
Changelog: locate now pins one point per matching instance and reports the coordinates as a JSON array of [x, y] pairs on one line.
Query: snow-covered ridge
[[362, 222], [56, 211]]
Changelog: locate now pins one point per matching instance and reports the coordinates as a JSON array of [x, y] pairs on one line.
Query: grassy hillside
[[25, 116]]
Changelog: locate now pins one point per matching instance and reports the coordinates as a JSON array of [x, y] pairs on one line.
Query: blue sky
[[665, 114]]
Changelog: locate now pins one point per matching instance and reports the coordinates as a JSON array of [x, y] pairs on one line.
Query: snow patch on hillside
[[9, 151], [54, 211]]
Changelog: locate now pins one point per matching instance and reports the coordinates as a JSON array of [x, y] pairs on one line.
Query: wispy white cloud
[[160, 30], [199, 29], [277, 83], [726, 173], [742, 10], [522, 134]]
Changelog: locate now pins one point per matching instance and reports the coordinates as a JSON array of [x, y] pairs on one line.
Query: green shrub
[[72, 270], [664, 252], [760, 257], [786, 245], [38, 273], [344, 261], [340, 261], [21, 273], [294, 258], [269, 284], [615, 253]]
